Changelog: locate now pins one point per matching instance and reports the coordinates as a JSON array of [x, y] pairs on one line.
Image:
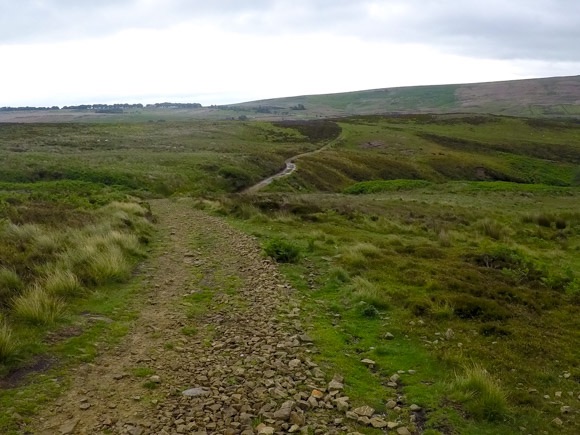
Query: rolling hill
[[556, 96]]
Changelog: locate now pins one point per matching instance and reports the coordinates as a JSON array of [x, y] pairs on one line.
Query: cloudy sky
[[59, 52]]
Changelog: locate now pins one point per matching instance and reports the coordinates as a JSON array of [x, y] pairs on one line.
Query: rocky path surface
[[218, 348]]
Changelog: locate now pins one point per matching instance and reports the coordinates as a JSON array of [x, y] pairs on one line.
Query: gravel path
[[218, 348]]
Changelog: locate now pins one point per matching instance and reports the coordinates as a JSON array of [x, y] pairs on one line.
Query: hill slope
[[556, 96]]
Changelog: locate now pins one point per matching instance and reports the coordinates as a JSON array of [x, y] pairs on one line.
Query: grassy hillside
[[558, 96], [446, 248], [439, 148]]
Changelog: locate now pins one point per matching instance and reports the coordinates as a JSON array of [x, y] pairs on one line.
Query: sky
[[64, 52]]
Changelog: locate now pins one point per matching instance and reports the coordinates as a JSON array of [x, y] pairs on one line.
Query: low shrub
[[282, 251], [38, 307], [470, 307], [481, 394], [368, 310]]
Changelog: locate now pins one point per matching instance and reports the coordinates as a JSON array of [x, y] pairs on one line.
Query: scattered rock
[[403, 431], [378, 423], [262, 429], [391, 404], [415, 408], [368, 362], [389, 336], [364, 411], [342, 404], [155, 379], [295, 363], [285, 410], [557, 422], [68, 427], [196, 392], [317, 394], [335, 385]]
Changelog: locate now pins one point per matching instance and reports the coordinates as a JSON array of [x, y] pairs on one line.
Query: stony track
[[219, 347]]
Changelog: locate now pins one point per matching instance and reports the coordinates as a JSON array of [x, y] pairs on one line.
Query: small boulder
[[364, 411]]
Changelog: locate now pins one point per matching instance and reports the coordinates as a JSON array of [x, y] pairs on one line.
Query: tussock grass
[[340, 274], [442, 310], [357, 255], [10, 284], [444, 239], [63, 283], [49, 243], [37, 306], [8, 343], [492, 228], [131, 208], [482, 395], [109, 265], [364, 290], [22, 233]]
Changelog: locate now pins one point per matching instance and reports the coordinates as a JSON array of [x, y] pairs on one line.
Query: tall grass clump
[[38, 307], [7, 341], [96, 265], [110, 265], [491, 228], [132, 208], [368, 292], [357, 256], [339, 274], [22, 233], [481, 394], [63, 282], [10, 285]]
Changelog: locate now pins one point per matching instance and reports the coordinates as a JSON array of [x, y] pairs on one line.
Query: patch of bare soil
[[242, 365]]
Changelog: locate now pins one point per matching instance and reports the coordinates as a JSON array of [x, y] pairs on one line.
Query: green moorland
[[549, 97], [446, 247]]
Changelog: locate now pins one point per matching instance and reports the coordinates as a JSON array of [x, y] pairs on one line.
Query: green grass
[[459, 235], [38, 307], [7, 342], [482, 394], [457, 272]]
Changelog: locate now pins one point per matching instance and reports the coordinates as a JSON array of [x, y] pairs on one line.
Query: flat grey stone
[[196, 392]]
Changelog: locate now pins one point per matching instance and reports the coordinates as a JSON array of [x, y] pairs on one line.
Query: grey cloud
[[516, 29]]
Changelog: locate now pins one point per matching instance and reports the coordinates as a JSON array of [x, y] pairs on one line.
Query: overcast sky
[[60, 52]]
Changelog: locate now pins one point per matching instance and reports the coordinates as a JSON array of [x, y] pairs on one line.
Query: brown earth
[[242, 351]]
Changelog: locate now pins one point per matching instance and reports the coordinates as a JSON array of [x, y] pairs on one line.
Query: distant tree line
[[107, 108], [27, 108], [104, 107], [174, 106]]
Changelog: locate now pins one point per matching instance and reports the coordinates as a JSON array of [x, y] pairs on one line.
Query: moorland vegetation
[[446, 247]]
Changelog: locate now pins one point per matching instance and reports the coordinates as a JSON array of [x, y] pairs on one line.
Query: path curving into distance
[[289, 168]]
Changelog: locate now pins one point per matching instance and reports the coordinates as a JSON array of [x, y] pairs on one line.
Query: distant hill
[[556, 96]]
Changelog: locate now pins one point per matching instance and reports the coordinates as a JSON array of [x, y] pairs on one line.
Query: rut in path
[[244, 359]]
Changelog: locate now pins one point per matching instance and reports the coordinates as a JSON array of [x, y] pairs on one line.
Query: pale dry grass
[[37, 306]]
